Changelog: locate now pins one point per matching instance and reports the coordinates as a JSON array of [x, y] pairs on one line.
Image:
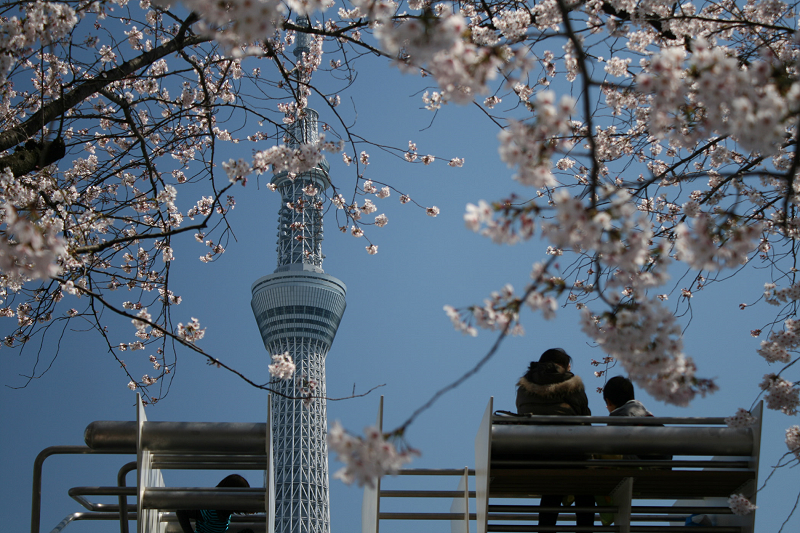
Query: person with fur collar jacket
[[549, 388]]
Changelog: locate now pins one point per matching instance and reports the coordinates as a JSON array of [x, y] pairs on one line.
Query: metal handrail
[[84, 516], [78, 493], [38, 464], [123, 500], [608, 420], [171, 498]]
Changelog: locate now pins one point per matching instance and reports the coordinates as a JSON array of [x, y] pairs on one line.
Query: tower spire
[[300, 232]]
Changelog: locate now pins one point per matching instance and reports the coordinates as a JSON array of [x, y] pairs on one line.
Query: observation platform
[[160, 446], [648, 475]]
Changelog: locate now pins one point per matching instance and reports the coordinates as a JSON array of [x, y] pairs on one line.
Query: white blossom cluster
[[735, 100], [461, 67], [458, 323], [29, 250], [781, 395], [513, 24], [742, 419], [647, 342], [741, 505], [282, 366], [775, 296], [704, 247], [293, 160], [530, 147], [240, 21], [781, 342], [46, 22], [355, 212], [365, 458], [793, 440], [502, 229], [191, 332]]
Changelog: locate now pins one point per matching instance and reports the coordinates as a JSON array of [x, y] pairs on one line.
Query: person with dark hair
[[619, 396], [210, 520], [620, 401], [549, 388]]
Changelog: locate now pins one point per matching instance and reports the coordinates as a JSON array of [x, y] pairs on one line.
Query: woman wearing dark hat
[[549, 388]]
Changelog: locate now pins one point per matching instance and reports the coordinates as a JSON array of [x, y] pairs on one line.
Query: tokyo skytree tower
[[298, 309]]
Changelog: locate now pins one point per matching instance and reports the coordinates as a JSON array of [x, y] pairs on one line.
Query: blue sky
[[394, 332]]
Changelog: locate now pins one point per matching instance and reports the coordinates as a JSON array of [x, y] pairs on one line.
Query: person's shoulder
[[572, 385], [631, 408]]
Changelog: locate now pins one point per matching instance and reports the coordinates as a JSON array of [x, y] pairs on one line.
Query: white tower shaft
[[298, 309]]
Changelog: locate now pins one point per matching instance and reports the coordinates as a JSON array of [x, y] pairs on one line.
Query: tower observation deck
[[298, 309]]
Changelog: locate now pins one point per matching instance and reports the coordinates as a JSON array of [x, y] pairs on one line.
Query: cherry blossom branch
[[577, 45], [400, 430], [53, 110]]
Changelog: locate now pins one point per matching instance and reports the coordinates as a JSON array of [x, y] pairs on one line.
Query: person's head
[[617, 392], [557, 356], [233, 481]]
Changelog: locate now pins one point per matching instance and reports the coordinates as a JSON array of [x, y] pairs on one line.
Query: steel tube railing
[[555, 529], [227, 437], [85, 516], [123, 500], [679, 510], [424, 516], [531, 528], [622, 463], [423, 494], [173, 498], [509, 440], [78, 493], [209, 462], [38, 464], [433, 472], [498, 510], [610, 420]]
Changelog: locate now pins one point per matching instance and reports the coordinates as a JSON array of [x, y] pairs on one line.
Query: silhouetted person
[[620, 399], [210, 520], [549, 388]]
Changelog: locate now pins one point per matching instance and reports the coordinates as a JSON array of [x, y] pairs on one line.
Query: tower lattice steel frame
[[298, 309]]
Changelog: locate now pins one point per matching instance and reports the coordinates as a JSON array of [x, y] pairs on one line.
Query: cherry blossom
[[741, 505], [781, 395], [741, 419], [793, 440], [282, 366], [366, 458], [191, 332]]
